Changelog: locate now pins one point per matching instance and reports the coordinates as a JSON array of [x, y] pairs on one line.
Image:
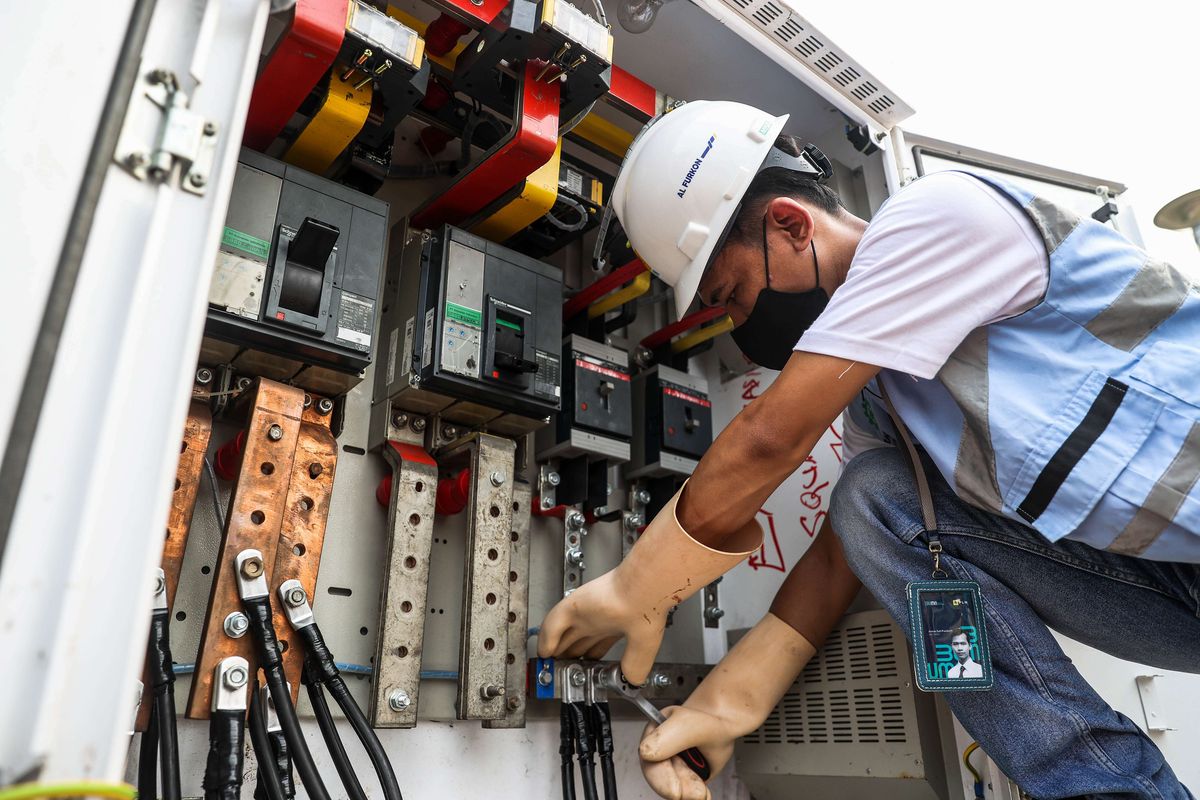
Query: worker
[[1046, 367]]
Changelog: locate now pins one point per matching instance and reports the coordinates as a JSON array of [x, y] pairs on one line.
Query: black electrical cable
[[333, 741], [258, 609], [223, 772], [283, 762], [603, 735], [325, 670], [269, 782], [583, 751], [147, 778], [566, 749], [162, 681]]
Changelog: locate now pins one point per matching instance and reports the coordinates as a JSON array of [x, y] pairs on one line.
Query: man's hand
[[732, 701], [664, 568]]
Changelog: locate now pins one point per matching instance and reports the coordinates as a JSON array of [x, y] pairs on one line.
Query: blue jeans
[[1041, 722]]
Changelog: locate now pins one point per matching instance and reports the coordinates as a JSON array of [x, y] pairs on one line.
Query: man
[[964, 666], [1046, 367]]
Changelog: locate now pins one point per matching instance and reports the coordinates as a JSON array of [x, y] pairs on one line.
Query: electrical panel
[[597, 415], [672, 416], [295, 289], [474, 329]]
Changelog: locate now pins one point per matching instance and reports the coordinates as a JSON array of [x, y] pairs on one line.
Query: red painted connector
[[383, 492], [453, 493], [229, 457], [443, 34]]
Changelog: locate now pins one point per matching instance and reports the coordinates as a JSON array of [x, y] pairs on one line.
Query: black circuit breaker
[[597, 414], [673, 417], [294, 294], [473, 330]]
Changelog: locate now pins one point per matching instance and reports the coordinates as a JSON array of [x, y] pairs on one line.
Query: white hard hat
[[683, 180]]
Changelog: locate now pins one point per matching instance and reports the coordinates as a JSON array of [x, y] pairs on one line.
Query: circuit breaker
[[295, 287], [473, 330], [597, 414], [672, 416]]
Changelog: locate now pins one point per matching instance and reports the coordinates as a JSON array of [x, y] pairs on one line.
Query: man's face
[[960, 647]]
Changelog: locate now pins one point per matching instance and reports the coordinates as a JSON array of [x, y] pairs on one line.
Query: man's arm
[[765, 443], [818, 590]]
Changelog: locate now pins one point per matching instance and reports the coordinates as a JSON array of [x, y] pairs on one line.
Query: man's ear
[[793, 219]]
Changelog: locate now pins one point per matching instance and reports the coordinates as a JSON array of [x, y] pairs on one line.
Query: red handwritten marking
[[810, 471], [836, 447], [815, 526], [760, 560], [812, 499]]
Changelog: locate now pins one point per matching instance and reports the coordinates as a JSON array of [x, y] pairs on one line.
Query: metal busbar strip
[[533, 201], [530, 144], [306, 51], [483, 645], [302, 533], [400, 643], [341, 117], [518, 612], [254, 521], [196, 433]]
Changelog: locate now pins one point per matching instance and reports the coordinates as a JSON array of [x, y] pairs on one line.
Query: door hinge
[[161, 131]]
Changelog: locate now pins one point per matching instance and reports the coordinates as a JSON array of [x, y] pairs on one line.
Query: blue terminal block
[[543, 679]]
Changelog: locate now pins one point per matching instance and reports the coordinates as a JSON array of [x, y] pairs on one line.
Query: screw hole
[[493, 554], [489, 645], [362, 631], [679, 680], [267, 468], [306, 503], [512, 617], [515, 536], [406, 606], [205, 570], [414, 519], [571, 577], [410, 562], [177, 484], [494, 511], [490, 599], [257, 517], [516, 506], [181, 615], [510, 659], [419, 486], [512, 577], [183, 446], [298, 550], [402, 651]]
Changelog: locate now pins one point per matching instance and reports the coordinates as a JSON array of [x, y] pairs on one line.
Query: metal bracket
[[633, 520], [712, 605], [574, 529], [400, 643], [230, 678], [483, 652], [181, 136], [548, 480], [518, 613]]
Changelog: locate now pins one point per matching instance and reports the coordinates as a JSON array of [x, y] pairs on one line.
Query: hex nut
[[399, 420], [275, 432], [417, 424], [204, 375], [553, 478], [491, 691], [236, 625], [545, 677], [252, 568], [498, 478], [324, 405], [643, 496], [296, 597], [398, 700], [578, 679], [235, 678], [659, 681]]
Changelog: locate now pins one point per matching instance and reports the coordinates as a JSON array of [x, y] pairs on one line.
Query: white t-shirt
[[943, 256]]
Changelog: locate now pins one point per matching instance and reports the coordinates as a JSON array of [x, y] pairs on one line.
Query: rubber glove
[[664, 568], [735, 699]]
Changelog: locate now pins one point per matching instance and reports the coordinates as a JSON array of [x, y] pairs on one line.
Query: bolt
[[600, 511], [197, 180], [498, 478], [307, 400], [659, 681], [575, 519], [545, 677], [577, 679], [513, 704], [296, 597], [575, 556], [160, 585], [633, 522], [159, 76], [315, 470], [417, 424], [135, 160], [274, 433], [547, 502], [491, 691], [210, 129], [449, 432], [399, 700], [399, 420], [642, 496], [236, 625], [714, 613], [235, 677], [324, 405], [553, 478], [243, 383], [252, 568], [204, 375]]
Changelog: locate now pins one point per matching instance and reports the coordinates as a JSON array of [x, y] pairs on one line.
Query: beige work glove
[[735, 699], [664, 568]]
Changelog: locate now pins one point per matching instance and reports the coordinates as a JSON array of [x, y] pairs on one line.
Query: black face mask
[[779, 319]]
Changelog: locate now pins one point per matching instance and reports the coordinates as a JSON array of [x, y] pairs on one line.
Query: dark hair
[[779, 182], [955, 633]]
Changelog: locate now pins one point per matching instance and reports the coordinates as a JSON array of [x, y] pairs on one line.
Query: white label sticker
[[409, 328], [358, 337], [427, 350]]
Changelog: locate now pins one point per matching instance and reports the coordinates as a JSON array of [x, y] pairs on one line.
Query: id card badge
[[950, 646]]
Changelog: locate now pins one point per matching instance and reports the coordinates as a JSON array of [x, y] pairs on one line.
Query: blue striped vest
[[1081, 416]]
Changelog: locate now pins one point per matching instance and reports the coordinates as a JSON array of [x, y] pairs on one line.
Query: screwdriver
[[611, 679]]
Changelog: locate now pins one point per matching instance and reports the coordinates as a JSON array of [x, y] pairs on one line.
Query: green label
[[244, 241], [508, 324], [467, 316]]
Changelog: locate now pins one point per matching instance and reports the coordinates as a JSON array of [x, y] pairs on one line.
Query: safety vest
[[1081, 416]]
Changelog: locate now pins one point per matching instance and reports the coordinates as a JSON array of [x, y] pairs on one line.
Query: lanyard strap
[[928, 516]]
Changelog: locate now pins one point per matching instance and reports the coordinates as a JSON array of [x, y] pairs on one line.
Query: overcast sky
[[1104, 88]]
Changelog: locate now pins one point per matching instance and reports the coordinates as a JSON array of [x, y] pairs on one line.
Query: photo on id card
[[950, 649]]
